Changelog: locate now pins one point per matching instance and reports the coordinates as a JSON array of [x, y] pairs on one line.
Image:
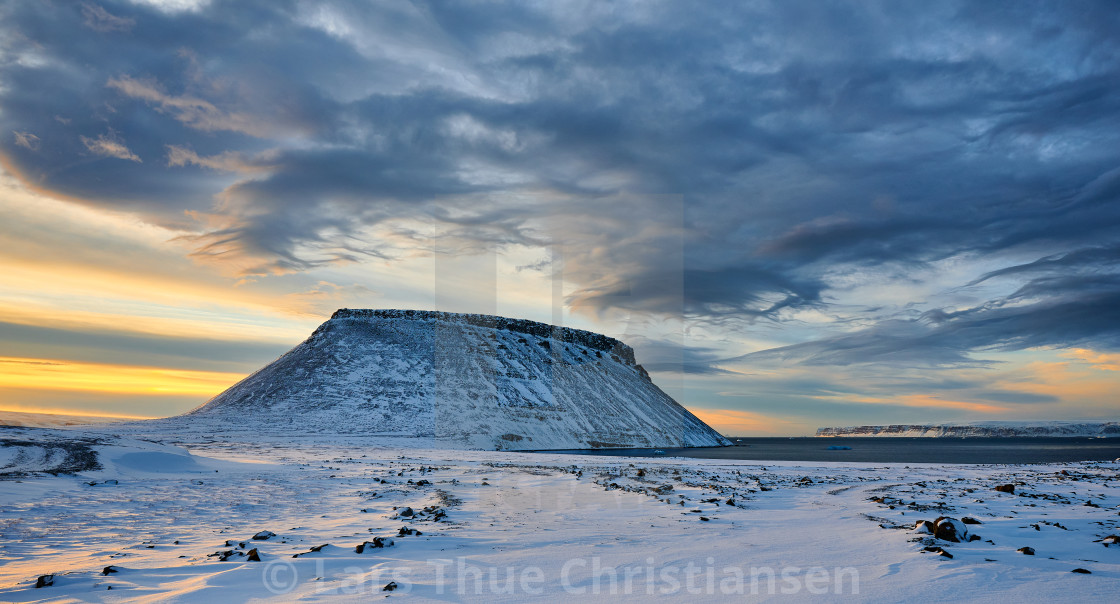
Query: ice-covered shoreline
[[164, 517]]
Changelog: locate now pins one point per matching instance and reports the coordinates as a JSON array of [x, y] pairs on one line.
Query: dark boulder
[[939, 551], [313, 549], [378, 542], [950, 529]]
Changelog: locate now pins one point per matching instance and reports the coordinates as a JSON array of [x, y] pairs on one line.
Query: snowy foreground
[[352, 521]]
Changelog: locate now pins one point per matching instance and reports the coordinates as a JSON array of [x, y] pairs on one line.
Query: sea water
[[1001, 450]]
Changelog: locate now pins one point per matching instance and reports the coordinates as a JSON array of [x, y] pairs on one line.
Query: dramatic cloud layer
[[805, 184]]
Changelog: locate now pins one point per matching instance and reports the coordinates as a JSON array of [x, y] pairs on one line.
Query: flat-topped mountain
[[462, 380]]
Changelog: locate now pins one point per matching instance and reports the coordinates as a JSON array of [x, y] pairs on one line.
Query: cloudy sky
[[799, 213]]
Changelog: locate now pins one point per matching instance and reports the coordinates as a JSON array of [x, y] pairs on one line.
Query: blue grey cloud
[[802, 140]]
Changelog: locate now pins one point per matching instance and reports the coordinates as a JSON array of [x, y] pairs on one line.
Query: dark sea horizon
[[986, 450]]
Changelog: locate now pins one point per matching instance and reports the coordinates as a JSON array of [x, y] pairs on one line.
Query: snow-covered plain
[[177, 524]]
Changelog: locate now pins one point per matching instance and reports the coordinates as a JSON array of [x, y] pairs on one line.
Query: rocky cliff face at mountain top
[[473, 381], [982, 429]]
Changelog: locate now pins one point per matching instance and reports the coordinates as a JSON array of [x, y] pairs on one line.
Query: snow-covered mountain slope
[[463, 381], [982, 429]]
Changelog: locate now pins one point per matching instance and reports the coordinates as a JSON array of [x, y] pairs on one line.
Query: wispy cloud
[[228, 161], [193, 111], [26, 140], [110, 145], [98, 19]]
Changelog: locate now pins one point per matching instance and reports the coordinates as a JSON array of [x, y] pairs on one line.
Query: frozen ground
[[173, 525]]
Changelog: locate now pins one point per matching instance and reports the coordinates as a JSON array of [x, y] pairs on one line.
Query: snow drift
[[474, 381]]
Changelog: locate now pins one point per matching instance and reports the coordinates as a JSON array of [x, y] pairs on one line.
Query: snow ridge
[[588, 339], [459, 380]]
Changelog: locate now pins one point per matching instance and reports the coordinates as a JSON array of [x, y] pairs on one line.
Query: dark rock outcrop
[[950, 529]]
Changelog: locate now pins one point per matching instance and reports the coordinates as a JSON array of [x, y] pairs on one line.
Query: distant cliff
[[982, 429]]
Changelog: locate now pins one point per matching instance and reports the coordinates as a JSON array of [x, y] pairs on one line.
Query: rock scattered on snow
[[312, 550], [1029, 551], [263, 536], [939, 551], [1006, 488], [949, 529], [44, 581], [254, 555], [378, 542]]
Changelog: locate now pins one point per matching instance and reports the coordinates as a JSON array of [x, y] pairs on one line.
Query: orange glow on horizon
[[733, 422], [46, 374], [1099, 360], [62, 412], [31, 299], [922, 400]]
